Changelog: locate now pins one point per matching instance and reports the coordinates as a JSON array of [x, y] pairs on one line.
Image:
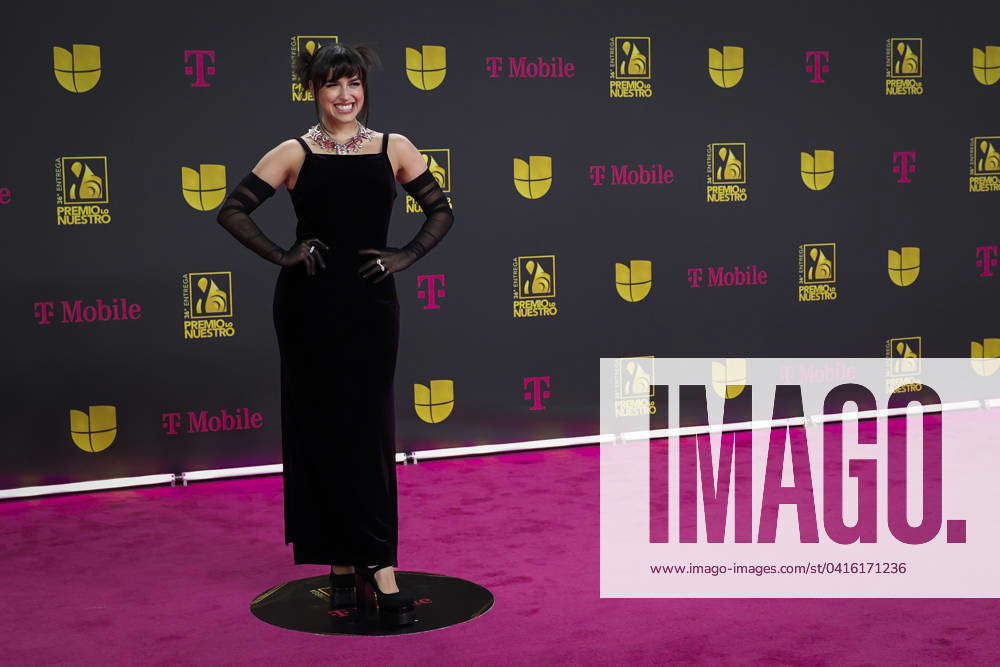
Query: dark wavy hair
[[333, 61]]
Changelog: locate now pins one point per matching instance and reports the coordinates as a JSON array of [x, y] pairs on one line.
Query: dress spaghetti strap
[[304, 144], [385, 143]]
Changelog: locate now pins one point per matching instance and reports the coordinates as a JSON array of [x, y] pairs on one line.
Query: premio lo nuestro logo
[[818, 272], [78, 70], [310, 44], [634, 386], [533, 176], [82, 190], [904, 66], [726, 167], [438, 161], [535, 286], [903, 364], [631, 67], [426, 68], [984, 164], [208, 305]]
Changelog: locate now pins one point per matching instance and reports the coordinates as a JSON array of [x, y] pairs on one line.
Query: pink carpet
[[165, 576]]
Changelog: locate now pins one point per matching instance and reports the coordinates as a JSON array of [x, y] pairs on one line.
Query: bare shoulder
[[409, 161], [280, 163]]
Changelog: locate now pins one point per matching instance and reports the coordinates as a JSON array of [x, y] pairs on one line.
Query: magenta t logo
[[4, 195], [535, 393], [431, 291], [817, 65], [494, 65], [597, 172], [170, 422], [694, 277], [904, 163], [44, 310], [199, 70], [986, 260]]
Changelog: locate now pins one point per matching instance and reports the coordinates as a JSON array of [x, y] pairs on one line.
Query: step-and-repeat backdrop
[[817, 179]]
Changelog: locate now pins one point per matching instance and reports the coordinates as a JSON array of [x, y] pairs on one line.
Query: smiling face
[[340, 100]]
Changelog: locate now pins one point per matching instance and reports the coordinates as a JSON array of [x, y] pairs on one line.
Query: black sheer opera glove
[[235, 217], [425, 189]]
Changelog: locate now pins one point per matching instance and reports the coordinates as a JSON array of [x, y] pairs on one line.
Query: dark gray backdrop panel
[[145, 116]]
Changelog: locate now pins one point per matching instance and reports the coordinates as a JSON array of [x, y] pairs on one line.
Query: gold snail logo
[[631, 67], [309, 44], [985, 356], [726, 166], [729, 377], [817, 169], [78, 70], [535, 286], [904, 265], [427, 67], [438, 161], [986, 65], [82, 190], [818, 272], [905, 354], [634, 281], [984, 164], [208, 305], [205, 188], [433, 404], [903, 364], [725, 67], [95, 430], [533, 177], [635, 388], [904, 66]]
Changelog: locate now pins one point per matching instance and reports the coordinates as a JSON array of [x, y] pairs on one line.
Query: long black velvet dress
[[338, 335]]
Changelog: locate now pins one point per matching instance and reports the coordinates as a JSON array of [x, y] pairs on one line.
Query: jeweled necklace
[[319, 134]]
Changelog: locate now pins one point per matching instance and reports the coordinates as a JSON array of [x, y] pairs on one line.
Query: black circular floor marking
[[304, 605]]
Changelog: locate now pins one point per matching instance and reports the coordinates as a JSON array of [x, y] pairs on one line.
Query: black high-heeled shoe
[[392, 608], [343, 592]]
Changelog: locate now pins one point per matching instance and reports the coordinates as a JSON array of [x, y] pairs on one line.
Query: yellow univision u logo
[[633, 282], [426, 68], [817, 169], [984, 356], [904, 266], [986, 65], [77, 71], [725, 67], [433, 404], [533, 177], [93, 432], [206, 188], [729, 377]]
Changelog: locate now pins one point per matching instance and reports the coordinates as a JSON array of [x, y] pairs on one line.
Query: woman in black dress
[[336, 316]]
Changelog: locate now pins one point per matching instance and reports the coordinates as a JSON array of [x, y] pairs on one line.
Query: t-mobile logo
[[904, 163], [534, 392], [199, 70], [428, 288]]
